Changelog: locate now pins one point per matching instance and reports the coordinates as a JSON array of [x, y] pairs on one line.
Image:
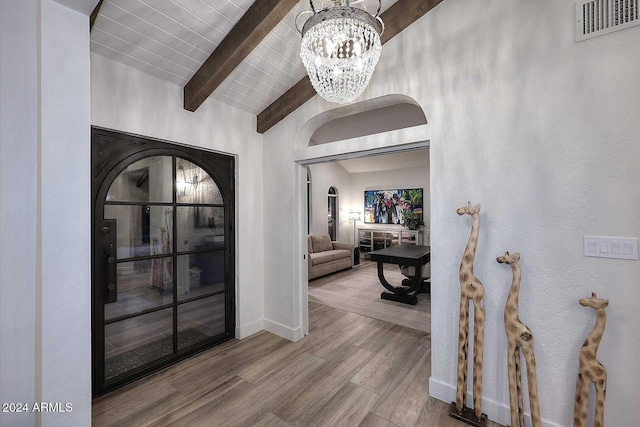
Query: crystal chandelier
[[340, 48], [184, 184]]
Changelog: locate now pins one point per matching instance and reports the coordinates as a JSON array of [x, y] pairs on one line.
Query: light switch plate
[[611, 247]]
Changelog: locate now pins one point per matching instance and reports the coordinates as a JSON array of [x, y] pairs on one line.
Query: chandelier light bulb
[[329, 46], [357, 49]]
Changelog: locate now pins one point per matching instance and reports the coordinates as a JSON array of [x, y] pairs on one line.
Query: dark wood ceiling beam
[[398, 17], [251, 29], [94, 15]]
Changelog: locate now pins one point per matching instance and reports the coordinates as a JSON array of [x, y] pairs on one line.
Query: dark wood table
[[403, 255]]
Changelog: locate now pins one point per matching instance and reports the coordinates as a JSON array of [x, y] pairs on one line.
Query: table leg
[[400, 294]]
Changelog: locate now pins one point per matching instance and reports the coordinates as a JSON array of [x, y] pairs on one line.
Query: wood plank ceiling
[[172, 39]]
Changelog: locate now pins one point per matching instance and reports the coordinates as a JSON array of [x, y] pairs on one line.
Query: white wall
[[129, 100], [18, 183], [65, 213], [543, 132], [44, 222], [323, 176]]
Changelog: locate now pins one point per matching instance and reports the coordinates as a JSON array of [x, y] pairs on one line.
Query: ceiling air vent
[[599, 17]]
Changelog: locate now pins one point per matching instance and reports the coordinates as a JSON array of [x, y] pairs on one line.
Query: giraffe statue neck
[[470, 250], [595, 336], [514, 292]]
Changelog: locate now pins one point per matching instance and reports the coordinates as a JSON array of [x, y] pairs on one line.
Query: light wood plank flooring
[[351, 370], [358, 291]]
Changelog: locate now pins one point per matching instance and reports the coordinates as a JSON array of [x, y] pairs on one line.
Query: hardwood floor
[[358, 291], [351, 370]]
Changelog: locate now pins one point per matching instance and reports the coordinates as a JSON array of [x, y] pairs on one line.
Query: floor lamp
[[354, 216]]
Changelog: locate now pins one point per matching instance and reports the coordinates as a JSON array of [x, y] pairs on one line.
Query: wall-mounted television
[[386, 206]]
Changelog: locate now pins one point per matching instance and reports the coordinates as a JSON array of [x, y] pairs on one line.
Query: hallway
[[350, 370]]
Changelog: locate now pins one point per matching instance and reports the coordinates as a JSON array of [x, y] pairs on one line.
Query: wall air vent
[[599, 17]]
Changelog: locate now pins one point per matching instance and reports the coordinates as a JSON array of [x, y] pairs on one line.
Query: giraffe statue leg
[[478, 344], [598, 420], [581, 403], [516, 356], [463, 347], [529, 356], [511, 369]]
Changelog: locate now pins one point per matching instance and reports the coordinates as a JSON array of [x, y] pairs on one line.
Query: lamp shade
[[354, 216]]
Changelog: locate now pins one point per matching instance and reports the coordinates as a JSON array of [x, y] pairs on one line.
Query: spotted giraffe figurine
[[519, 338], [591, 371], [470, 290]]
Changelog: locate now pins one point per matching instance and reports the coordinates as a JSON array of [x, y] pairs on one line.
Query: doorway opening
[[357, 289], [340, 139]]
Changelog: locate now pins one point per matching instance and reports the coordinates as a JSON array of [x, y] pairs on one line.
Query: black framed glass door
[[163, 255]]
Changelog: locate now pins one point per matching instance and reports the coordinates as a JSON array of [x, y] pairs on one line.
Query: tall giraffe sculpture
[[519, 338], [470, 290], [591, 371]]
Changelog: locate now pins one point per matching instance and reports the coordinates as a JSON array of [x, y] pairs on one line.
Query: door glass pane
[[135, 342], [194, 185], [200, 227], [142, 285], [142, 230], [200, 320], [147, 180], [200, 274]]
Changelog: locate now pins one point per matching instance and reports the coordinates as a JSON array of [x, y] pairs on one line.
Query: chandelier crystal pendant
[[340, 48], [184, 185]]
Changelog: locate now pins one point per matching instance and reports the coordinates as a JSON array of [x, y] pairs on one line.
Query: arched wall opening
[[396, 138]]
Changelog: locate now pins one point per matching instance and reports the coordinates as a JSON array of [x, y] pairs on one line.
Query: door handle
[[111, 274]]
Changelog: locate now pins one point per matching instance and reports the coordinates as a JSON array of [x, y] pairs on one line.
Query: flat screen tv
[[386, 206]]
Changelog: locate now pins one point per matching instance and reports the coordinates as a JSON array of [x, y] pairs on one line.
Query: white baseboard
[[283, 331], [496, 411], [248, 329]]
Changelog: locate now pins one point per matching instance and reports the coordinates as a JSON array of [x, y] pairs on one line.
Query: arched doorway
[[163, 282], [314, 147]]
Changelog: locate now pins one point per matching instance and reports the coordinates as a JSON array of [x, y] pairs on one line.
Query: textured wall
[[543, 132], [325, 175], [65, 237], [18, 183], [45, 285]]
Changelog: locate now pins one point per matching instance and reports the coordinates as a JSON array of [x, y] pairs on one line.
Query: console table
[[407, 255], [371, 239]]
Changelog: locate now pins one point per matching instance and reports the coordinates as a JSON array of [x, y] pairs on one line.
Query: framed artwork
[[386, 206]]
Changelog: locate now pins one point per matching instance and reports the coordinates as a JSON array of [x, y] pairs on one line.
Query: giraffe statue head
[[509, 258], [469, 210], [594, 302]]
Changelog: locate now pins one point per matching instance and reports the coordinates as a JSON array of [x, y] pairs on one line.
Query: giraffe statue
[[470, 289], [519, 338], [591, 371]]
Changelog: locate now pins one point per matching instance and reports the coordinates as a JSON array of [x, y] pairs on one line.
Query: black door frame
[[111, 152]]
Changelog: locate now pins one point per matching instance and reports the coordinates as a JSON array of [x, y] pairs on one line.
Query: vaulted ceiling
[[240, 52]]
